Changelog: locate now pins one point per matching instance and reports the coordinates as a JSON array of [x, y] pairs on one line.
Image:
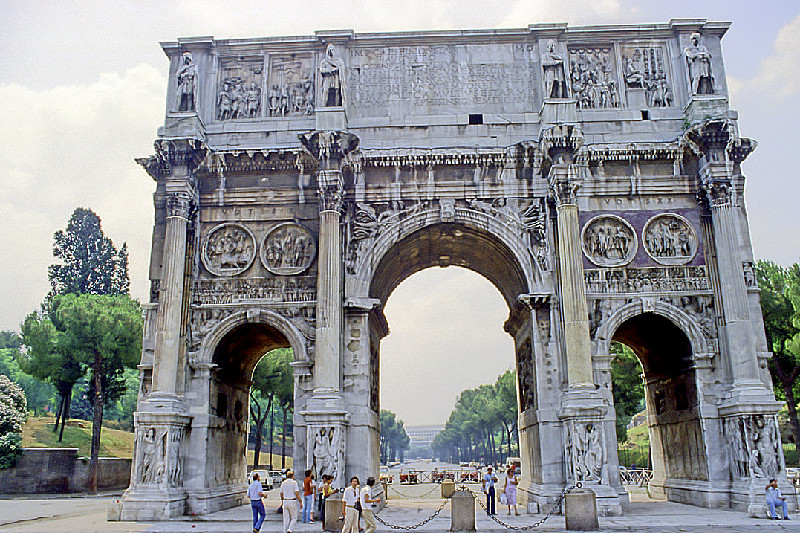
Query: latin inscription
[[440, 78]]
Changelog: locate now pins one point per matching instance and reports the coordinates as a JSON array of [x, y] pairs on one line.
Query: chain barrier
[[553, 509], [434, 489], [415, 526]]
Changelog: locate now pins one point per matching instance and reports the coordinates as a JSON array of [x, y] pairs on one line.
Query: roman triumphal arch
[[592, 174]]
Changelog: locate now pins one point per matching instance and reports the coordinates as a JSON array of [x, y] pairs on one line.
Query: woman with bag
[[510, 490]]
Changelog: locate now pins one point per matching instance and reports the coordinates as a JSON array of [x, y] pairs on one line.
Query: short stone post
[[448, 488], [462, 505], [580, 511], [333, 510]]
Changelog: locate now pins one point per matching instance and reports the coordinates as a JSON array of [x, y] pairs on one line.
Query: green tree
[[394, 438], [627, 387], [13, 411], [780, 307], [90, 264], [271, 377], [105, 335]]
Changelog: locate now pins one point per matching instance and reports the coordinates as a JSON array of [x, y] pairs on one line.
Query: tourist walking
[[255, 492], [487, 484], [290, 501], [366, 506], [510, 489], [350, 504], [776, 499], [308, 497], [325, 490]]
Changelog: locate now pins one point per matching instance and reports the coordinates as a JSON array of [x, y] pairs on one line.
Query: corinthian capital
[[330, 187], [179, 205], [718, 192], [329, 147]]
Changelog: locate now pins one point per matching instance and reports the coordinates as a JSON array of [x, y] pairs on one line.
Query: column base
[[142, 505]]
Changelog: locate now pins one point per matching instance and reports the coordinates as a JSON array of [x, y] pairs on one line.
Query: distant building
[[421, 438]]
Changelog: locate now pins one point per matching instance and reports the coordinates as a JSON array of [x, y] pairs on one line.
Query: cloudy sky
[[83, 89]]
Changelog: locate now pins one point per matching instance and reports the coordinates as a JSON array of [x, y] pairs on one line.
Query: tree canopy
[[627, 387], [394, 438], [272, 379]]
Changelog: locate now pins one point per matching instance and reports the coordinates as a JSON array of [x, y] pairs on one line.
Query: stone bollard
[[580, 511], [448, 488], [114, 511], [462, 504], [333, 510]]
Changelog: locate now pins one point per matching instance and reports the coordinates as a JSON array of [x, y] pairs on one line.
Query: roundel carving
[[609, 241], [669, 239], [229, 249], [288, 249]]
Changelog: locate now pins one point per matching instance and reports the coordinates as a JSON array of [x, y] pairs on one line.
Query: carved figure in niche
[[737, 450], [224, 103], [148, 447], [175, 470], [555, 84], [590, 77], [229, 250], [594, 453], [252, 99], [585, 449], [331, 70], [698, 59], [608, 241], [327, 451], [643, 68], [187, 84], [527, 386], [670, 239], [288, 249]]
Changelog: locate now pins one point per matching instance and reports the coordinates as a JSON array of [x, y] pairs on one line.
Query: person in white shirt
[[349, 499], [366, 506], [255, 492], [291, 502], [776, 499]]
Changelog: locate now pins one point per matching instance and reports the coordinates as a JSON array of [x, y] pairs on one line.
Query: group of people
[[508, 495], [297, 502]]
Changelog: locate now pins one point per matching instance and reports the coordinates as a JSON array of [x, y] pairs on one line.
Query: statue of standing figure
[[555, 82], [331, 70], [187, 84], [698, 59]]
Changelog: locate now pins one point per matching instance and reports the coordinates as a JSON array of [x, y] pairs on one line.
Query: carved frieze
[[644, 67], [525, 371], [288, 249], [291, 85], [240, 89], [652, 279], [226, 291], [669, 239], [609, 241], [593, 77], [229, 249]]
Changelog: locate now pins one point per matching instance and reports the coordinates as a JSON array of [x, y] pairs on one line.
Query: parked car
[[277, 477], [264, 477]]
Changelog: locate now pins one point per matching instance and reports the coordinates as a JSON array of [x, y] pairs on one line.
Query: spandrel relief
[[643, 67], [669, 239], [240, 90], [609, 241], [290, 87], [288, 249], [593, 78], [229, 249]]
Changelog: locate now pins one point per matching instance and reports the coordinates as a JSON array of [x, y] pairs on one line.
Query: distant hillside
[[38, 433]]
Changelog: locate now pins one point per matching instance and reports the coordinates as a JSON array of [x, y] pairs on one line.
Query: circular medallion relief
[[609, 241], [669, 239], [229, 249], [288, 249]]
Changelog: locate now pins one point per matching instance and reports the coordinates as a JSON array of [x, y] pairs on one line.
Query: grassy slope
[[38, 433]]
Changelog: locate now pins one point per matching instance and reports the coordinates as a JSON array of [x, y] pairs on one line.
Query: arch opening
[[671, 399]]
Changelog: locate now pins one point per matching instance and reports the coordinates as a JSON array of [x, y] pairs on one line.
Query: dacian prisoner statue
[[592, 174]]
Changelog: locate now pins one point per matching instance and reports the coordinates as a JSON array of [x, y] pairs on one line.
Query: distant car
[[277, 477], [264, 477]]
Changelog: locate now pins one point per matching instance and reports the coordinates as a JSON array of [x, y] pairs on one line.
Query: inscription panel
[[408, 80]]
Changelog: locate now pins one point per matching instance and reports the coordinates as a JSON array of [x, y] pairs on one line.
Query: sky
[[83, 89]]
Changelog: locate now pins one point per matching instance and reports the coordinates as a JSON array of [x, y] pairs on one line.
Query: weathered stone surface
[[593, 175], [462, 505]]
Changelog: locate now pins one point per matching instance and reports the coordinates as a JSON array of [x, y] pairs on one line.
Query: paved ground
[[407, 505]]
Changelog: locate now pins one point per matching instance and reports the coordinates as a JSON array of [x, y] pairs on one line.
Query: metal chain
[[536, 524], [415, 526], [414, 497]]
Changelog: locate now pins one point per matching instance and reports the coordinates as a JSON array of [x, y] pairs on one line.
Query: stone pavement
[[88, 514]]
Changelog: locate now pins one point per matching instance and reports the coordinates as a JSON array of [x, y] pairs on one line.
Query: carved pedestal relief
[[753, 446], [593, 78], [585, 451], [229, 249], [288, 249], [327, 451], [290, 88], [669, 239], [525, 371], [608, 241], [158, 456], [643, 67], [239, 91]]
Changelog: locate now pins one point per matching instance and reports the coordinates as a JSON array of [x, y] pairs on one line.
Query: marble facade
[[592, 174]]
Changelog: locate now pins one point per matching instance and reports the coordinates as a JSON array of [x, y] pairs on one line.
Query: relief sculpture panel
[[608, 241], [229, 249], [669, 239], [643, 67], [291, 85], [593, 77], [239, 93], [288, 249]]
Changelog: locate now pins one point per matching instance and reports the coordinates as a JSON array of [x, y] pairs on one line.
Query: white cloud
[[70, 146]]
